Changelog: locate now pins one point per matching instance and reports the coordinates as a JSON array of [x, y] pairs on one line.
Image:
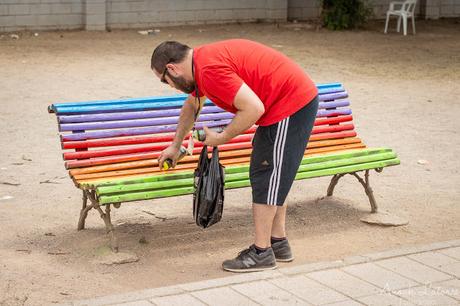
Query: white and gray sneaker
[[249, 261], [282, 251]]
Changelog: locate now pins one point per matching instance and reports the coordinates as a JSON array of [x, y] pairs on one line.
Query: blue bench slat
[[71, 107]]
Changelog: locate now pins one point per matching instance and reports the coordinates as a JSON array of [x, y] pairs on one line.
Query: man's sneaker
[[282, 251], [248, 261]]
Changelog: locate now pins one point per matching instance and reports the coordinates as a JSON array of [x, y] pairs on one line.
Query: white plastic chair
[[403, 10]]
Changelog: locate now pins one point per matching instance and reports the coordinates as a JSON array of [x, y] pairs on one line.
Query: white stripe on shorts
[[278, 154]]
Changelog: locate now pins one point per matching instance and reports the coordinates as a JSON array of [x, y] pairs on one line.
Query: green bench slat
[[235, 169], [242, 180], [242, 175]]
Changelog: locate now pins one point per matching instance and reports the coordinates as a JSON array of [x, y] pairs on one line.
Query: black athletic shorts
[[277, 152]]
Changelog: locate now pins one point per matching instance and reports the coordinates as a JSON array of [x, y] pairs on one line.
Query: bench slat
[[103, 117], [81, 144], [150, 167], [139, 156], [56, 107], [150, 104], [131, 115], [231, 161], [311, 145], [243, 183], [150, 122], [242, 174], [160, 146], [328, 111], [190, 162], [236, 169], [137, 131]]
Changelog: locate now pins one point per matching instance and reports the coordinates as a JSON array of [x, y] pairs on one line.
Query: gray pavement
[[420, 275]]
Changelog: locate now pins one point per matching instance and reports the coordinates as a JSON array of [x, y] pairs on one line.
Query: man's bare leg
[[263, 220], [279, 223]]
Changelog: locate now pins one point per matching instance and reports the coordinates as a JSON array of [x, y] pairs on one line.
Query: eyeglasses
[[163, 76]]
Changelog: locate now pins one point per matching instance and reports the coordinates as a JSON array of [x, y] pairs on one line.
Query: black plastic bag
[[208, 196]]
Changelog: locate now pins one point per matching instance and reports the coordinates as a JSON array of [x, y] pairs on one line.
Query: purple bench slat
[[137, 123], [136, 131], [131, 115]]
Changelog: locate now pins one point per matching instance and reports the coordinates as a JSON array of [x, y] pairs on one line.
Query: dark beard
[[182, 85]]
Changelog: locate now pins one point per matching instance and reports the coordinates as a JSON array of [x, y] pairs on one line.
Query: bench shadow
[[152, 235]]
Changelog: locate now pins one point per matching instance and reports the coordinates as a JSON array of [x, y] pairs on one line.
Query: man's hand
[[171, 152], [213, 138]]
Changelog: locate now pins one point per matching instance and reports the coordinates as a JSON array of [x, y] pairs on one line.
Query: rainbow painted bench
[[111, 150]]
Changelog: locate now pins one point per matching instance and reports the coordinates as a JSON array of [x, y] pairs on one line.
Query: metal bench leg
[[84, 212], [375, 217], [91, 195], [335, 179], [367, 189]]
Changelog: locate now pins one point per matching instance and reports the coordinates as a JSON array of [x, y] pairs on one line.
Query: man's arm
[[186, 119], [250, 109], [185, 124]]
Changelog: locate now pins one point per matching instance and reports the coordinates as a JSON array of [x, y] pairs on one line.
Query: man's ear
[[173, 69]]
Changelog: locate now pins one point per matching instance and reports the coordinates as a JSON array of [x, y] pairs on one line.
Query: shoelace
[[244, 252]]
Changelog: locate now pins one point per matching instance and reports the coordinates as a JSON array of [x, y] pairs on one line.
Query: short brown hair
[[168, 52]]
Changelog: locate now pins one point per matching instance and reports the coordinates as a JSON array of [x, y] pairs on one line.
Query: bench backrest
[[106, 140]]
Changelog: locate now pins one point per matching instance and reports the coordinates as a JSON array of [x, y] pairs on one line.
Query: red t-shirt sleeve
[[222, 85]]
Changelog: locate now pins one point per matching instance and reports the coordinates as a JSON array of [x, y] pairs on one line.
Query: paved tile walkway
[[421, 275]]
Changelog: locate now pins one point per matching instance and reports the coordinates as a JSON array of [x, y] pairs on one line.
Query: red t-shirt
[[282, 86]]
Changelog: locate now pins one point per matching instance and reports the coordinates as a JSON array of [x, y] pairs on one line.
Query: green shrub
[[345, 14]]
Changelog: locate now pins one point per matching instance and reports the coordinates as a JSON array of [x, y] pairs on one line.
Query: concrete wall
[[102, 14], [311, 9], [40, 14], [303, 9], [434, 9], [138, 13]]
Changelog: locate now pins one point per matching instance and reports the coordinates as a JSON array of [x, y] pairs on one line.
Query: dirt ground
[[405, 95]]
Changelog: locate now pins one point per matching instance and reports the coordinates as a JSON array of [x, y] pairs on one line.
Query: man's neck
[[188, 65]]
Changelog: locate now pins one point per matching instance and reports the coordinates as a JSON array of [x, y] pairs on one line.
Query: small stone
[[142, 240], [118, 259], [36, 34], [7, 197], [384, 219], [14, 36], [422, 162], [143, 32], [157, 30]]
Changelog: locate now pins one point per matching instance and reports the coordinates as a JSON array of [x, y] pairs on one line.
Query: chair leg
[[413, 25], [386, 24], [398, 27], [405, 25]]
